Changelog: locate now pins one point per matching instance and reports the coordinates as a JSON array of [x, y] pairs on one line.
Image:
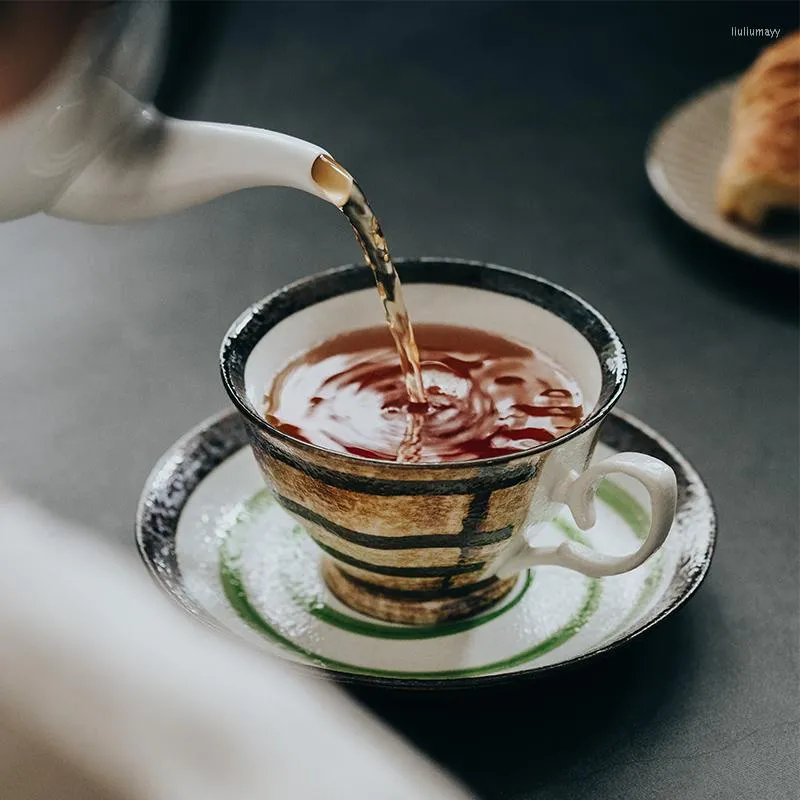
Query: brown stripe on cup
[[415, 608]]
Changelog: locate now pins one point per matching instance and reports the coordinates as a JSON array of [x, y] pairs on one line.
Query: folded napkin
[[108, 691]]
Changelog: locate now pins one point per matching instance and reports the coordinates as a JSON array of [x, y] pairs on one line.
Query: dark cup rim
[[239, 340]]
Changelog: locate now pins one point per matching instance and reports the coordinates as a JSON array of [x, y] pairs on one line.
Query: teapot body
[[51, 136], [85, 148]]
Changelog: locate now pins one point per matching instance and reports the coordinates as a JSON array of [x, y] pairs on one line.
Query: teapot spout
[[179, 164]]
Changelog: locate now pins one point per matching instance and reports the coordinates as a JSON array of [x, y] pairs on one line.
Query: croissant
[[761, 168]]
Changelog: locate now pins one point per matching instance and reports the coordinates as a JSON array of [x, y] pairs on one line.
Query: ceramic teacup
[[425, 543]]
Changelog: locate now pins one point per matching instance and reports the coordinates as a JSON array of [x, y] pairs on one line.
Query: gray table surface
[[513, 134]]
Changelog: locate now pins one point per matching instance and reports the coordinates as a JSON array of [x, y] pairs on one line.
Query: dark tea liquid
[[486, 396]]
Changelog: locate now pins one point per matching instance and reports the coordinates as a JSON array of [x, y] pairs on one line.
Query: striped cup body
[[415, 548]]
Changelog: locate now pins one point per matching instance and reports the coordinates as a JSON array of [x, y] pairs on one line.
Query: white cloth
[[107, 692]]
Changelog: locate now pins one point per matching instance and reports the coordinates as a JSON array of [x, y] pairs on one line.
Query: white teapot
[[84, 148]]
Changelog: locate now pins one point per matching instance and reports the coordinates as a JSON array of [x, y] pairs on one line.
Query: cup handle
[[577, 491]]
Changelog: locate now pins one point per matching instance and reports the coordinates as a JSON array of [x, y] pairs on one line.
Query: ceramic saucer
[[683, 160], [216, 541]]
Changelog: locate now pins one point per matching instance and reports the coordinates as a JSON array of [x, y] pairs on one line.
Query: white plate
[[683, 160]]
